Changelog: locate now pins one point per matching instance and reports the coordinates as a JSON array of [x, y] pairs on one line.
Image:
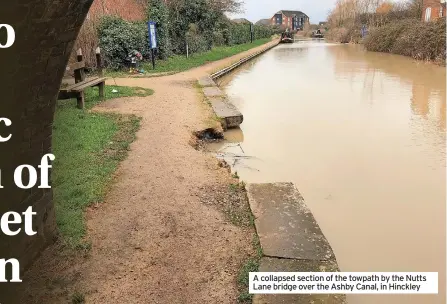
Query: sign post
[[152, 40]]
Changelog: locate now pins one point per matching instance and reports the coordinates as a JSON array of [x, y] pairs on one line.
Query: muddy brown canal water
[[362, 136]]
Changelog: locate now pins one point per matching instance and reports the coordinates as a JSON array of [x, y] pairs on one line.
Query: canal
[[362, 136]]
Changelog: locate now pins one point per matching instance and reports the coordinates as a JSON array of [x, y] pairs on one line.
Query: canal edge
[[302, 248], [227, 113], [290, 238]]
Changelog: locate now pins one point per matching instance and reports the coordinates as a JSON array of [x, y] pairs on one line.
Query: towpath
[[153, 240]]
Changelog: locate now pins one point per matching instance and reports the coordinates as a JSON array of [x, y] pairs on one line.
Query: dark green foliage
[[414, 38], [158, 12], [210, 27], [196, 42], [262, 31], [197, 23], [118, 38], [240, 33], [199, 13]]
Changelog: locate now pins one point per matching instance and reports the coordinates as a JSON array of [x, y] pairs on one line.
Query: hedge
[[414, 38], [117, 38]]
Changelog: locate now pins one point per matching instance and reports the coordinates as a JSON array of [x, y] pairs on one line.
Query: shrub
[[196, 23], [117, 38], [382, 39], [158, 12], [338, 34], [309, 29], [196, 42], [218, 38], [353, 34], [262, 31], [239, 33], [414, 38]]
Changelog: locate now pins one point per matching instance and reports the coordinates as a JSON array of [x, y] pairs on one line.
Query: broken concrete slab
[[289, 265], [285, 225], [207, 81], [210, 92], [227, 112]]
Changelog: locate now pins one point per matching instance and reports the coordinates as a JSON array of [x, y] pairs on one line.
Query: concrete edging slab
[[290, 238], [228, 113]]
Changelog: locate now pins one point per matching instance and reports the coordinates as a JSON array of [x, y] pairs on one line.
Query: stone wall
[[30, 75]]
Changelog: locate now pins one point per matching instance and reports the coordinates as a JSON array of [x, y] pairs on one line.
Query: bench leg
[[101, 90], [80, 99]]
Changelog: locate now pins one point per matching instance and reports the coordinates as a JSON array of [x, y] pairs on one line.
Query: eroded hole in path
[[209, 135]]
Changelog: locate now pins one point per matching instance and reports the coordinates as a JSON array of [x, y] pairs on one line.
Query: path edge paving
[[290, 238], [228, 113]]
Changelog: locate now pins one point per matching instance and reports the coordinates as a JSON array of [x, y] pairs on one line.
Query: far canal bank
[[362, 136]]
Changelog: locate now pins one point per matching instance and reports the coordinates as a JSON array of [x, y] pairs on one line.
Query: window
[[428, 14], [441, 11]]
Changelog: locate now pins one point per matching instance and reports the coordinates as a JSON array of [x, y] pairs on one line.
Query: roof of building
[[291, 13], [241, 20], [263, 22]]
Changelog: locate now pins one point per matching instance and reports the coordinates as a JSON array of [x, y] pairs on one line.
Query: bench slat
[[81, 86], [73, 86], [76, 85]]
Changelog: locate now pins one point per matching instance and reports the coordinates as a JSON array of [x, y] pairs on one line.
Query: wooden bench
[[76, 90]]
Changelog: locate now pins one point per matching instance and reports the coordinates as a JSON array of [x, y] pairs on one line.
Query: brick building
[[293, 20], [433, 9]]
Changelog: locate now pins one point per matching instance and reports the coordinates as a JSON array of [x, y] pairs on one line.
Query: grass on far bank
[[88, 147], [181, 63]]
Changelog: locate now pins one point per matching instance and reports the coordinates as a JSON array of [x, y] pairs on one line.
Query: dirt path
[[154, 240]]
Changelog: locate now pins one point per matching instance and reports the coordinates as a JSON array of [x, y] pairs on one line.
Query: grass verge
[[88, 147], [181, 63], [251, 265], [246, 218]]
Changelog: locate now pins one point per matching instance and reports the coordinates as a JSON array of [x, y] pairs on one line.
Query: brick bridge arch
[[30, 75]]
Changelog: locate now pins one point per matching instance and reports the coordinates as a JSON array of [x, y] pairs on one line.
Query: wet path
[[362, 135]]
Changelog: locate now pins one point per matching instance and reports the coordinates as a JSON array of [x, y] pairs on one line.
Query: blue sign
[[152, 34]]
